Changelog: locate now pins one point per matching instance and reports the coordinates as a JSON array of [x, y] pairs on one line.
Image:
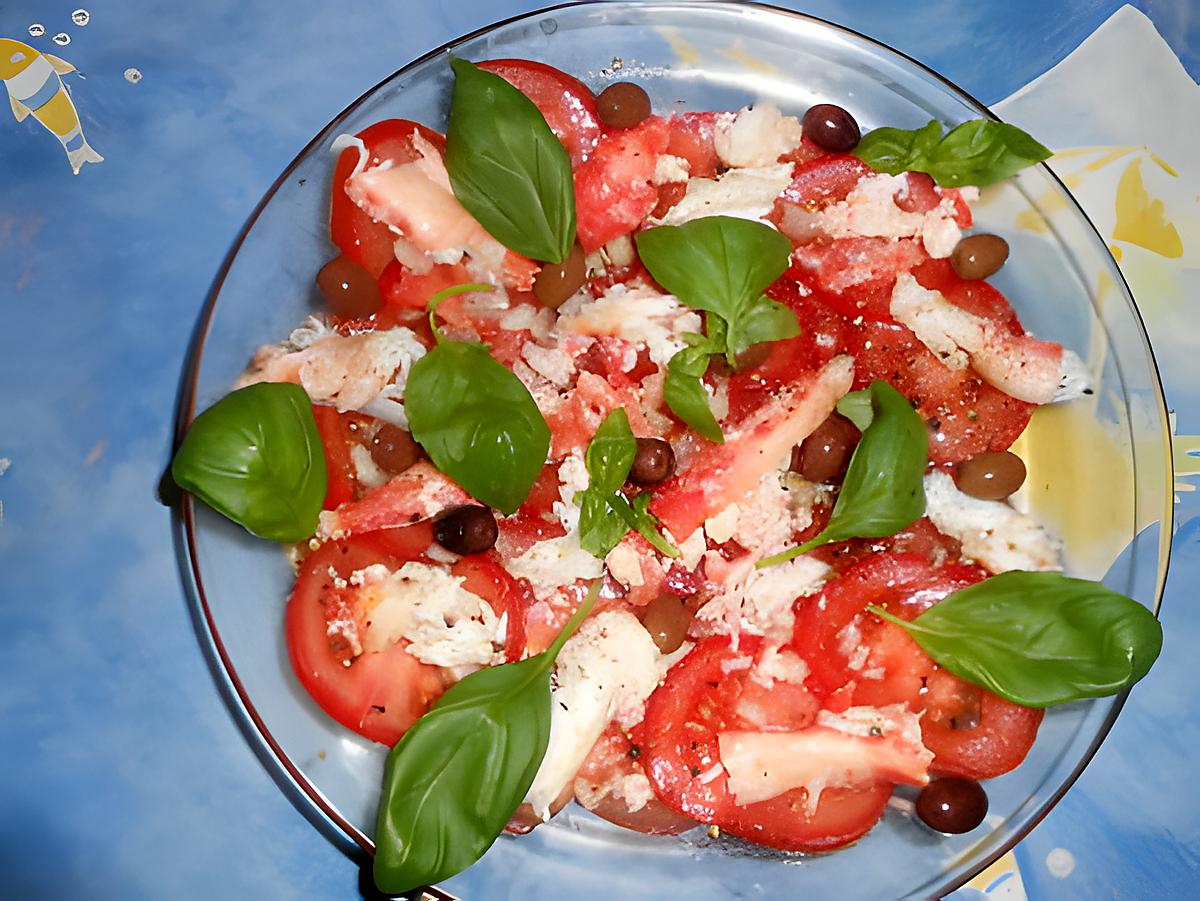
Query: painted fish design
[[33, 84]]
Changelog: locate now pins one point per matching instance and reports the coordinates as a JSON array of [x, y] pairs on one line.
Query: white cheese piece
[[772, 513], [367, 472], [861, 746], [991, 532], [755, 136], [620, 250], [759, 601], [410, 256], [604, 672], [1019, 365], [691, 549], [552, 363], [720, 528], [636, 314], [625, 565], [549, 565], [741, 193], [870, 210], [538, 320], [775, 665], [670, 168], [572, 479], [445, 624]]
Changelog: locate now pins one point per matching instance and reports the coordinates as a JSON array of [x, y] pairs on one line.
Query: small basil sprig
[[475, 419], [683, 389], [605, 513], [1038, 638], [979, 152], [883, 491], [507, 167], [721, 265], [255, 457], [456, 777]]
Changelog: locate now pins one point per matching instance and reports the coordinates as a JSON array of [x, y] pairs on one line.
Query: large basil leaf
[[979, 152], [453, 781], [1039, 638], [477, 422], [507, 167], [605, 514], [255, 457], [883, 491], [716, 263]]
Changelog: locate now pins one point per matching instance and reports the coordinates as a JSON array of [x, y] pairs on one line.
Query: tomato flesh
[[565, 102], [614, 188], [342, 482], [359, 237], [681, 755]]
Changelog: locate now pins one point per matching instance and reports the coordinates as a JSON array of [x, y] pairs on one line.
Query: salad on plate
[[659, 461]]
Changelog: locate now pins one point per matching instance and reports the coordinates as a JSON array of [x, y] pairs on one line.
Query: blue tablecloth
[[122, 773]]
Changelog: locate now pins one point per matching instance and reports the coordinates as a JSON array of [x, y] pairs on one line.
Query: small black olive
[[466, 530]]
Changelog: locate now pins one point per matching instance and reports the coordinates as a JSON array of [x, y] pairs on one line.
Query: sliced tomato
[[484, 575], [681, 755], [342, 483], [691, 137], [401, 288], [965, 414], [534, 520], [973, 295], [565, 102], [972, 732], [358, 236], [614, 188], [919, 194], [601, 785], [379, 694], [898, 581], [804, 152], [824, 181], [856, 275]]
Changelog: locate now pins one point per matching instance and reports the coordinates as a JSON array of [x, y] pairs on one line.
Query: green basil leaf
[[255, 456], [453, 781], [856, 406], [637, 515], [980, 152], [763, 320], [715, 263], [1039, 638], [883, 491], [601, 526], [610, 453], [685, 395], [507, 167], [477, 422], [896, 150]]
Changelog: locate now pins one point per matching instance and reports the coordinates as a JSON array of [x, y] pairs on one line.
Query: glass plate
[[1100, 471]]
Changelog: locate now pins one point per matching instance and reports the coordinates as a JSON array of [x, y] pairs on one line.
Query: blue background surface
[[122, 773]]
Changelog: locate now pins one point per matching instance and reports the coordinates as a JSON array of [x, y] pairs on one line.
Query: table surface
[[124, 774]]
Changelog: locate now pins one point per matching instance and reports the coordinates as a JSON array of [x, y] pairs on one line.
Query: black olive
[[952, 805], [466, 530]]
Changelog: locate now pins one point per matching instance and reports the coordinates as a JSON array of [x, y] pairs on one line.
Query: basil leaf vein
[[883, 491], [255, 457], [979, 152], [507, 168], [1039, 638], [455, 778]]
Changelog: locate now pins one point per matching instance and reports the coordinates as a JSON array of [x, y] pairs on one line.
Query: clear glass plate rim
[[303, 793]]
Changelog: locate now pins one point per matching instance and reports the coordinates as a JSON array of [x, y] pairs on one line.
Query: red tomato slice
[[901, 582], [1002, 734], [692, 138], [565, 102], [612, 760], [381, 693], [856, 276], [484, 575], [614, 188], [824, 181], [401, 288], [965, 414], [681, 755], [342, 483], [919, 194], [358, 236], [973, 295]]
